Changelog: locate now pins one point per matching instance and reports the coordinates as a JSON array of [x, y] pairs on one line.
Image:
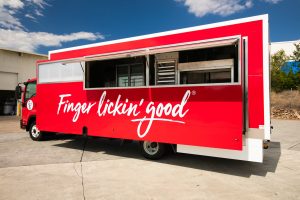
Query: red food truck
[[202, 90]]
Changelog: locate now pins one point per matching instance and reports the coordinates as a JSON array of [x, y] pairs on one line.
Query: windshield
[[30, 90]]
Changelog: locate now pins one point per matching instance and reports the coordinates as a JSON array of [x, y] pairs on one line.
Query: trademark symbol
[[194, 92]]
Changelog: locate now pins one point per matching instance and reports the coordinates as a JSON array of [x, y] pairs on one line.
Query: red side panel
[[202, 116], [251, 30], [209, 116]]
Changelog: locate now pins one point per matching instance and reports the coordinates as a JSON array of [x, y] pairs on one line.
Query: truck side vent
[[166, 72]]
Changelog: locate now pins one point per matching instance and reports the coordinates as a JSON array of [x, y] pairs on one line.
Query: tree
[[278, 77], [278, 60], [296, 57], [281, 80], [296, 53]]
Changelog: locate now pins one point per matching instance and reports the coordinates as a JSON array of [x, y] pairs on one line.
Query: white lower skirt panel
[[252, 151]]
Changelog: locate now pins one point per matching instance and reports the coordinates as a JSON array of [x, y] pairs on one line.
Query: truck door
[[29, 101]]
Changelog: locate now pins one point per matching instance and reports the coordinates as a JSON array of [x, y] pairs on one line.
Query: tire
[[152, 150], [34, 132]]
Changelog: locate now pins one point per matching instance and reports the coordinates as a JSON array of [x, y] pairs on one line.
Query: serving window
[[130, 75], [205, 76], [125, 72], [204, 72], [215, 62], [211, 65]]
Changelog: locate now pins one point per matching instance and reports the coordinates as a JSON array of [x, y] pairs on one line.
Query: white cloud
[[38, 13], [272, 1], [30, 41], [16, 4], [30, 16], [14, 35], [40, 3], [201, 8], [9, 21], [8, 9], [217, 7]]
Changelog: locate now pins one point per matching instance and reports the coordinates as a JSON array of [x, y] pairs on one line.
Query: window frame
[[64, 62], [28, 83], [210, 68], [129, 74]]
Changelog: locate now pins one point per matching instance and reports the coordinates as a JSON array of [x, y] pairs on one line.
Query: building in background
[[287, 46], [15, 67]]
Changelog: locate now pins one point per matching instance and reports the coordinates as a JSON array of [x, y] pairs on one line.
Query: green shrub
[[280, 80]]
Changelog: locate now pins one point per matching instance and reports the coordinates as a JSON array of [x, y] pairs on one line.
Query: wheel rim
[[35, 131], [151, 148]]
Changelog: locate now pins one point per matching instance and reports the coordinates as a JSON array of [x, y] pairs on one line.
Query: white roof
[[287, 46], [26, 52]]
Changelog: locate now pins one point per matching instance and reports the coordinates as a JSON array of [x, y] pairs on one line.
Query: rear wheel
[[153, 150], [35, 133]]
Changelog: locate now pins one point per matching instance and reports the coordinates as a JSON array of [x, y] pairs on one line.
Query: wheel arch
[[32, 118]]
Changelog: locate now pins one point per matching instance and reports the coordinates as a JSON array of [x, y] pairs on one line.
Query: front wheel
[[153, 150], [35, 133]]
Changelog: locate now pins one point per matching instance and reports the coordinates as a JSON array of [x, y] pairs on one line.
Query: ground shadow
[[219, 165]]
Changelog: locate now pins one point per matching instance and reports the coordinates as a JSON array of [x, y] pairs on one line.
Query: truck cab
[[26, 94]]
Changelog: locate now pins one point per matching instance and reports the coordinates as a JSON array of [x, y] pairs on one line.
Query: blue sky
[[43, 25]]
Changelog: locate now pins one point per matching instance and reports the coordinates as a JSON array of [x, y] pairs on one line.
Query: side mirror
[[18, 92]]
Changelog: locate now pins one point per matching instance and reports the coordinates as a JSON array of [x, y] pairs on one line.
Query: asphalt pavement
[[68, 167]]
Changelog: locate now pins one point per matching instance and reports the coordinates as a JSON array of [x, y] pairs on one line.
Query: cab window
[[30, 90]]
